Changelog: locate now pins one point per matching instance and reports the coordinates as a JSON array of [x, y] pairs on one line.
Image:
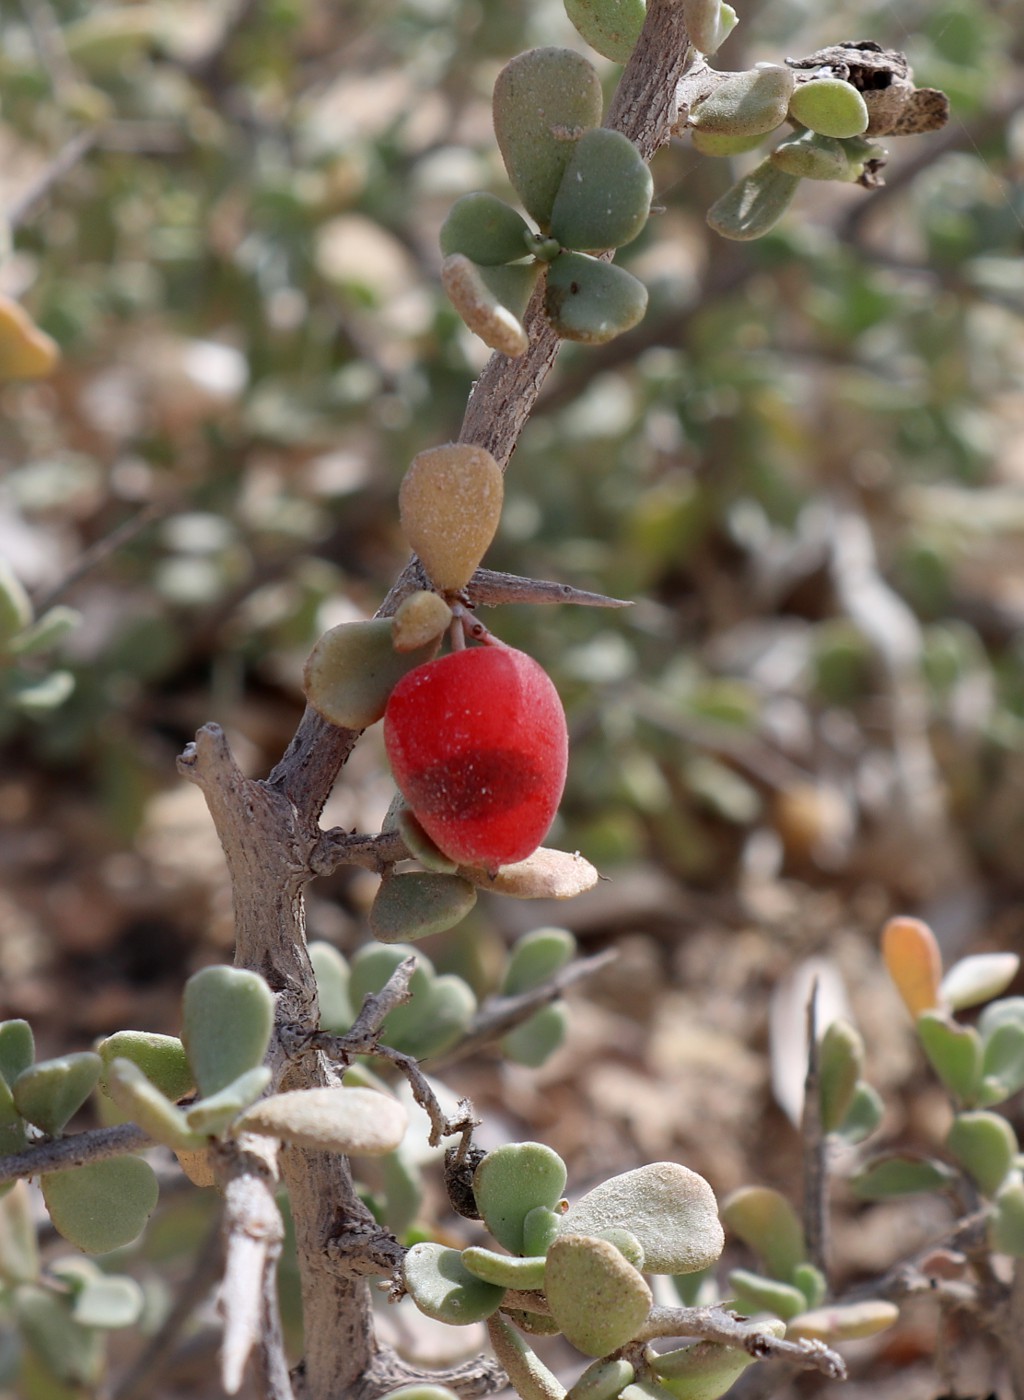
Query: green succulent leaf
[[746, 104], [535, 958], [1002, 1065], [754, 1293], [841, 1064], [540, 1227], [1006, 1223], [897, 1175], [51, 629], [513, 1180], [359, 1122], [69, 1351], [720, 143], [864, 1115], [604, 198], [766, 1222], [332, 987], [374, 964], [955, 1053], [544, 100], [505, 1270], [812, 157], [978, 978], [491, 300], [402, 1183], [227, 1015], [136, 1095], [830, 107], [19, 1246], [107, 1301], [626, 1243], [536, 1040], [17, 1050], [103, 1205], [612, 27], [812, 1283], [431, 857], [985, 1146], [708, 23], [433, 1022], [353, 669], [530, 1378], [704, 1370], [597, 1298], [414, 905], [50, 1093], [444, 1289], [754, 205], [485, 229], [215, 1113], [15, 604], [1006, 1012], [161, 1058], [671, 1210], [422, 1390], [592, 301]]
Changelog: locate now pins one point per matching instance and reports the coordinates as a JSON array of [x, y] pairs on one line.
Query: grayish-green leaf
[[215, 1113], [135, 1093], [592, 301], [227, 1017], [103, 1205], [332, 986], [414, 905], [50, 1093], [754, 205], [605, 195], [829, 106], [161, 1058], [746, 104], [484, 228], [443, 1288], [360, 1122], [513, 1180], [597, 1298], [612, 27]]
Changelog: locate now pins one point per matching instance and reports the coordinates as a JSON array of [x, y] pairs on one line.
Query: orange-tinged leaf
[[26, 352], [914, 963]]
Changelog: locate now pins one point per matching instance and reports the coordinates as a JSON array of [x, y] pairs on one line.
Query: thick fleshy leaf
[[227, 1017], [626, 1243], [431, 857], [812, 1283], [483, 300], [215, 1113], [913, 960], [402, 1183], [513, 1180], [51, 629], [547, 874], [17, 1051], [50, 1093], [812, 157], [864, 1115], [15, 604], [535, 958], [846, 1322], [505, 1270], [450, 505], [671, 1210], [766, 1221], [955, 1053], [754, 1293], [19, 1247], [985, 1146], [353, 669], [100, 1300], [592, 301], [540, 1227], [602, 1380], [411, 906], [708, 23], [421, 618], [1007, 1012], [101, 1206], [332, 985], [1002, 1066], [597, 1298], [1006, 1223], [830, 107], [841, 1062], [421, 1391], [444, 1289], [536, 1040], [137, 1096], [161, 1058], [612, 27], [720, 143], [544, 100], [978, 978], [528, 1375], [69, 1351], [373, 965], [360, 1122], [704, 1370], [754, 205], [433, 1022], [747, 104], [605, 195], [485, 229], [900, 1176]]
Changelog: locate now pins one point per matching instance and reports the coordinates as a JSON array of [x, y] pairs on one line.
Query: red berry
[[478, 747]]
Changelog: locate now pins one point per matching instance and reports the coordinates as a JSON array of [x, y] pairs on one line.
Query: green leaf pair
[[586, 186], [535, 958], [850, 1107], [612, 27], [980, 1065]]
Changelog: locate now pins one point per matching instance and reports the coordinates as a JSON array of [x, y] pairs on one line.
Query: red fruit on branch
[[478, 747]]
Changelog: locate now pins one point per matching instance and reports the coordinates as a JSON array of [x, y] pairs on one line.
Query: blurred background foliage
[[806, 466]]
